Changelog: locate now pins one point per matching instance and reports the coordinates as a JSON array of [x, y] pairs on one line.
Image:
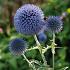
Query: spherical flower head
[[17, 46], [28, 19], [54, 24], [42, 37]]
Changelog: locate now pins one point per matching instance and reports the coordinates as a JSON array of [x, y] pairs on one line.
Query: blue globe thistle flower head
[[42, 37], [17, 46], [29, 19], [54, 24]]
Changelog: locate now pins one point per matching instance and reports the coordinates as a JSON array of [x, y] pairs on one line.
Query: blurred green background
[[8, 32]]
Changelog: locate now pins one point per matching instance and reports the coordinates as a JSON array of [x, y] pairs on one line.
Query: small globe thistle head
[[17, 46], [54, 24], [42, 37], [28, 19]]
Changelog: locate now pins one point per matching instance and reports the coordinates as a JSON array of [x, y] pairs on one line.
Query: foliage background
[[7, 32]]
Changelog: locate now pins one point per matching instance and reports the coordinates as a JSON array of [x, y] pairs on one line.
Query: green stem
[[33, 48], [40, 50], [53, 59], [28, 62], [53, 49], [37, 42], [54, 38], [45, 49]]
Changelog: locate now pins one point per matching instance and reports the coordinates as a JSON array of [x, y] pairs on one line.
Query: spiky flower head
[[28, 19], [17, 46], [54, 24]]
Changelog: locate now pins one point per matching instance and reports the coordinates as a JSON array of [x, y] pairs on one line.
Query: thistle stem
[[53, 49], [40, 50], [28, 62], [53, 60], [37, 42]]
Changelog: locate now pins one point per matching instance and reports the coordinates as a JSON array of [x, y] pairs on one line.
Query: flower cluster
[[29, 19]]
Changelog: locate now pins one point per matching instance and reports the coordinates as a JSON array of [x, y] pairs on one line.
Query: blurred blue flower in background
[[17, 46], [29, 19]]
